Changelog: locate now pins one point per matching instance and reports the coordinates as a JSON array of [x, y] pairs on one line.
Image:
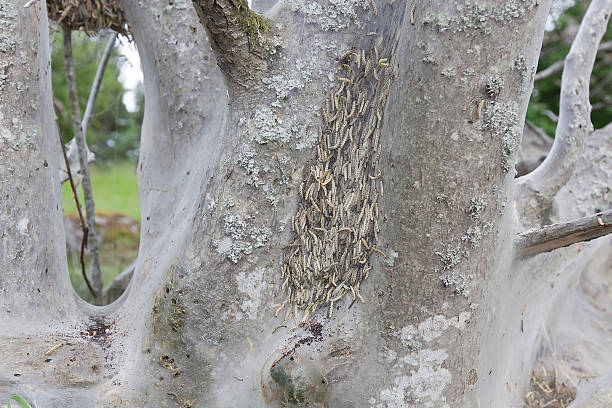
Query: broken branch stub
[[563, 234]]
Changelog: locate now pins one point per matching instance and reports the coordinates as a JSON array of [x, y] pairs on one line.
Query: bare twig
[[574, 123], [95, 87], [96, 275], [563, 234], [78, 206], [558, 66], [601, 87], [602, 105], [550, 71], [551, 115]]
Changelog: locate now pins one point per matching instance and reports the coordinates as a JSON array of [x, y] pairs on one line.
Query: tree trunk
[[227, 157]]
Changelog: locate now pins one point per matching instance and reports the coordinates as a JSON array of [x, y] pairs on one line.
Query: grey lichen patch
[[449, 72], [282, 85], [389, 261], [501, 119], [440, 21], [460, 282], [428, 51], [473, 15], [8, 22], [273, 200], [520, 65], [475, 233], [452, 257], [429, 57], [469, 71], [16, 135], [269, 127], [329, 15], [476, 207], [244, 236], [290, 80], [494, 86], [336, 226], [510, 144], [247, 161]]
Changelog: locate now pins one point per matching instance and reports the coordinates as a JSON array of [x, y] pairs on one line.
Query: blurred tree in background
[[113, 135], [114, 132], [544, 103]]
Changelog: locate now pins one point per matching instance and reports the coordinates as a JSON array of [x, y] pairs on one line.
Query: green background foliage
[[545, 96]]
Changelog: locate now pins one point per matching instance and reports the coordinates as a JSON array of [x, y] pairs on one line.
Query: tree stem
[[96, 274]]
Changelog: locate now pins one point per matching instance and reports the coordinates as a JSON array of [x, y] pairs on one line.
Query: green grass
[[115, 190]]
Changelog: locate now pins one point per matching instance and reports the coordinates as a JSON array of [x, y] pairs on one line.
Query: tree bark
[[223, 154]]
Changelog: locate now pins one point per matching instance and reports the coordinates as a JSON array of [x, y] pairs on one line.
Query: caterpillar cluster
[[336, 225]]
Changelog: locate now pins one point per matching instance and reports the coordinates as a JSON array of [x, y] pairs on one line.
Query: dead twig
[[563, 234], [78, 206]]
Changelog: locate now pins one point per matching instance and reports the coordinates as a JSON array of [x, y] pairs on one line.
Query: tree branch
[[117, 286], [563, 234], [550, 71], [574, 123], [78, 206], [95, 87], [96, 274], [534, 148], [602, 105], [237, 36], [558, 66]]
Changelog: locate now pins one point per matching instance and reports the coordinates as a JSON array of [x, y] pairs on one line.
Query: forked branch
[[574, 124], [563, 234]]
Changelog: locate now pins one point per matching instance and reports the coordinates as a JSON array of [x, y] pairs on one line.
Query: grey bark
[[92, 245], [219, 184]]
